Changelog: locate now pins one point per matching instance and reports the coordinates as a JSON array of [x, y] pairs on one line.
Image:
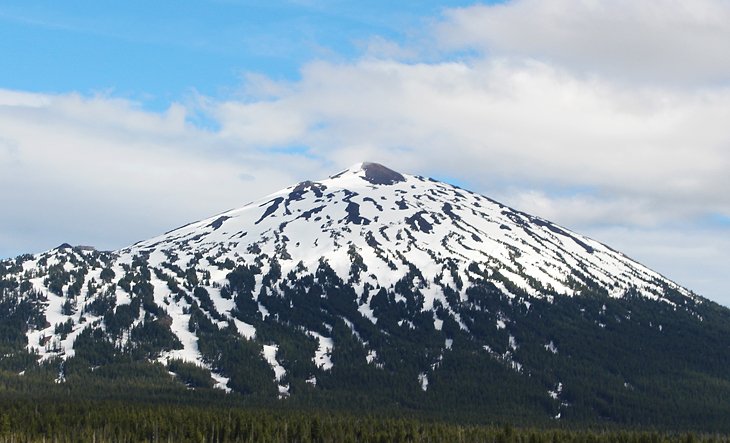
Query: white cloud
[[586, 210], [493, 122], [652, 41], [100, 170]]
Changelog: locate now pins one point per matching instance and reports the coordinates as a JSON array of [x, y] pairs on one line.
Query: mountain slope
[[375, 287]]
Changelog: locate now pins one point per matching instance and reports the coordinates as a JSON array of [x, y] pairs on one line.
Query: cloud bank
[[608, 117]]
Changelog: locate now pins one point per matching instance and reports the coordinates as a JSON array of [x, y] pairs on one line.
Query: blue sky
[[121, 120], [158, 52]]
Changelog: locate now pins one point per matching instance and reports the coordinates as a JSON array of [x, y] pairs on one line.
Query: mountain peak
[[374, 173], [378, 174]]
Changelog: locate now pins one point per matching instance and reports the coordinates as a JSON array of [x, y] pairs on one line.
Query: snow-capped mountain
[[390, 222], [386, 275]]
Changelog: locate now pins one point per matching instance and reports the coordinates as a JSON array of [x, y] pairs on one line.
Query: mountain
[[373, 289]]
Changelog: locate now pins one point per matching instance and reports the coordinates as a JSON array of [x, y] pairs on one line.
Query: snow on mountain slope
[[374, 227], [391, 223]]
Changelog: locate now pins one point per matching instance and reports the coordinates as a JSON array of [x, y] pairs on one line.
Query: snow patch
[[246, 330], [551, 347], [269, 353], [512, 342], [322, 356], [556, 393], [423, 381]]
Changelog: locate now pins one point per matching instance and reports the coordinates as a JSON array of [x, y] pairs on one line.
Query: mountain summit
[[380, 288], [378, 174]]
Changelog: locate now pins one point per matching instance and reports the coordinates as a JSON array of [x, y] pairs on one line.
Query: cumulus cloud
[[101, 170], [585, 209], [650, 41], [493, 122]]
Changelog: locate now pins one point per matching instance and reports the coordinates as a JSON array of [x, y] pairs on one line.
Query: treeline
[[93, 421]]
